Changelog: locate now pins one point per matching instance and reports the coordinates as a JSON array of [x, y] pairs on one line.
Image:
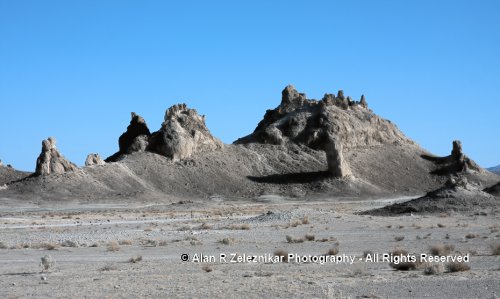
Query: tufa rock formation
[[51, 161], [455, 163], [337, 166], [135, 139], [316, 123], [182, 134], [94, 159]]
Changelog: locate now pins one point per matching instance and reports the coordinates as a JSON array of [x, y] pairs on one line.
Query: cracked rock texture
[[51, 161]]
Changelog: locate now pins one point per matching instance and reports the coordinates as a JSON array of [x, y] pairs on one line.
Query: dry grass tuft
[[442, 249], [135, 259], [113, 246], [125, 242], [305, 220], [227, 241], [457, 267], [441, 225], [470, 236], [283, 254], [205, 225]]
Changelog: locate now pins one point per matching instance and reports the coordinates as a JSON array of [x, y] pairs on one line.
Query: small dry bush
[[441, 249], [495, 249], [3, 246], [205, 225], [244, 226], [434, 269], [207, 268], [283, 254], [135, 259], [470, 236], [113, 246], [109, 267], [367, 252], [305, 220], [310, 237], [399, 238], [457, 267], [227, 241], [125, 242], [69, 243], [162, 243], [333, 251], [403, 265], [296, 223], [291, 239], [441, 225]]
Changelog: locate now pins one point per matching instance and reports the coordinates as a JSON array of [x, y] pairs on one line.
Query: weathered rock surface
[[494, 190], [51, 161], [182, 134], [315, 123], [455, 163], [337, 166], [94, 159]]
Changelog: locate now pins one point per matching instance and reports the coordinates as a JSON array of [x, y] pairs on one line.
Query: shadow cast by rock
[[292, 178]]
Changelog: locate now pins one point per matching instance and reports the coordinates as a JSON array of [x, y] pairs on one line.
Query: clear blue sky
[[76, 69]]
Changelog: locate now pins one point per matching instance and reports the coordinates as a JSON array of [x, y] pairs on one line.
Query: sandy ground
[[92, 246]]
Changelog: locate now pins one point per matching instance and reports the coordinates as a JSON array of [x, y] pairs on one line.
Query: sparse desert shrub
[[94, 245], [50, 246], [305, 220], [441, 225], [205, 225], [434, 269], [291, 239], [149, 229], [333, 251], [3, 246], [149, 243], [403, 265], [244, 226], [457, 267], [470, 236], [135, 259], [113, 246], [109, 267], [207, 268], [163, 243], [399, 238], [495, 249], [283, 254], [125, 242], [69, 243], [227, 241], [295, 223], [310, 237], [441, 249]]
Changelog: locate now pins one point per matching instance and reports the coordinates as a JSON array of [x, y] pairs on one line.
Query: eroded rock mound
[[455, 163], [456, 195], [94, 159], [316, 123], [51, 161], [494, 190], [182, 134]]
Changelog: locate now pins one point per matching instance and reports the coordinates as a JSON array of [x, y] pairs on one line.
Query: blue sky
[[76, 69]]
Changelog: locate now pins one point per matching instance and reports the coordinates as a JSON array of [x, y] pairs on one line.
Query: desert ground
[[125, 249]]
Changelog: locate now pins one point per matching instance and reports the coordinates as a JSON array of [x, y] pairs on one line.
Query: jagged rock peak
[[461, 161], [94, 159], [291, 99], [137, 127], [51, 161], [182, 134]]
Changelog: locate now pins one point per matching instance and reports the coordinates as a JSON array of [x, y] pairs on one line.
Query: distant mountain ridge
[[495, 169]]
